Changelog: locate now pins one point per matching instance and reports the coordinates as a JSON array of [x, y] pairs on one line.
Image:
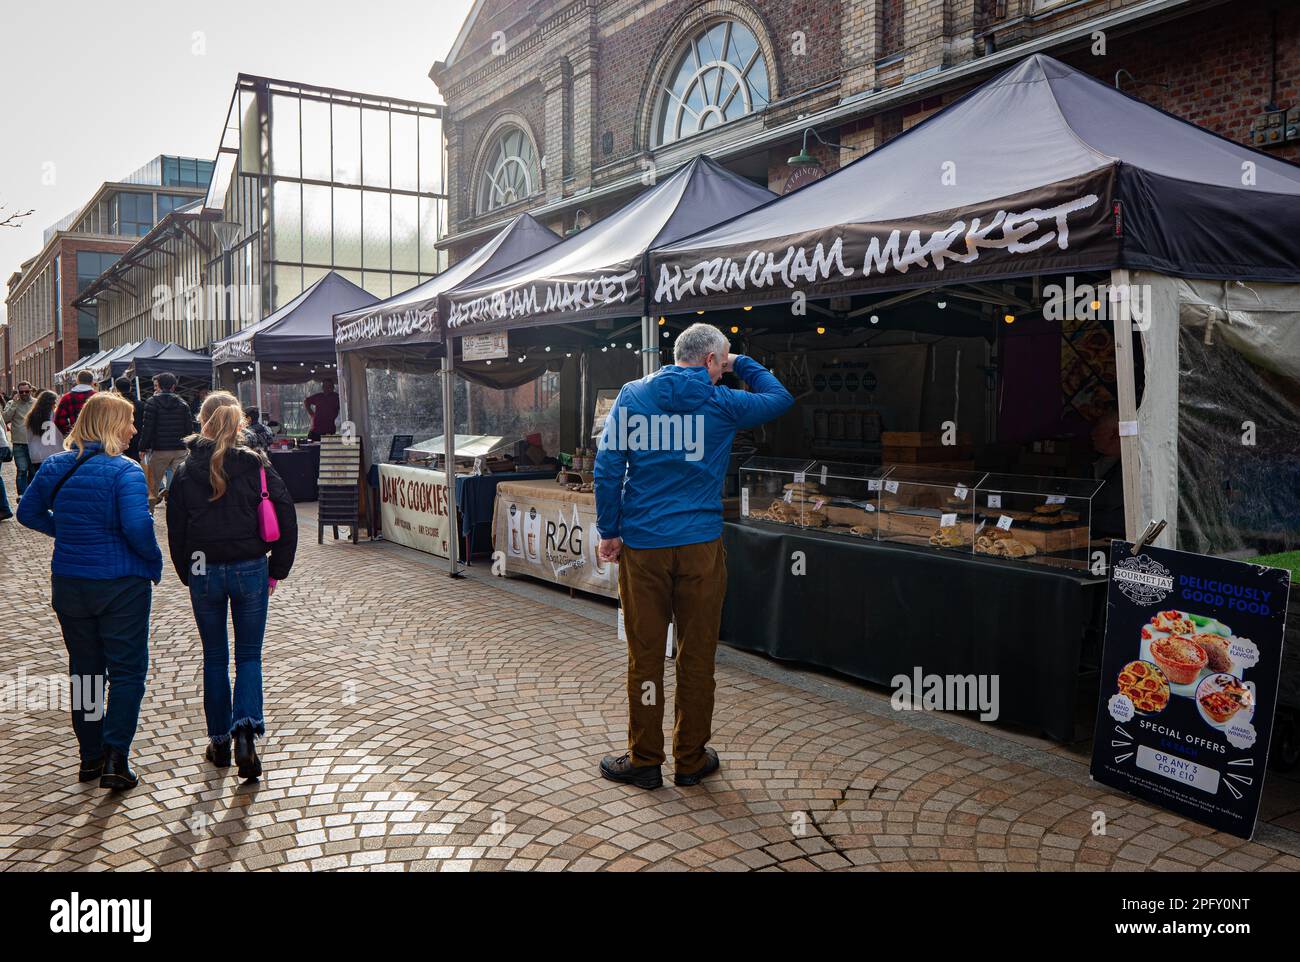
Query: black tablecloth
[[874, 610], [475, 497], [299, 468]]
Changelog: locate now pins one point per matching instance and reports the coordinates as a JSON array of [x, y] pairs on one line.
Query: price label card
[[1004, 523], [891, 487], [1056, 499], [871, 508], [744, 502], [980, 527], [948, 521], [789, 497], [960, 492], [995, 500], [873, 485], [817, 505], [800, 477]]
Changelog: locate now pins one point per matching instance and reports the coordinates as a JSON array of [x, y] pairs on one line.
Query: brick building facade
[[585, 84]]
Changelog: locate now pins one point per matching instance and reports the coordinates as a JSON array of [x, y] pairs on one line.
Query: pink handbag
[[268, 524]]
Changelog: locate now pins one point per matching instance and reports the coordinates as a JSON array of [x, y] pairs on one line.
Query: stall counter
[[546, 531]]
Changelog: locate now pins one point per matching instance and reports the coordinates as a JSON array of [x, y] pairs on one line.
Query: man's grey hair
[[698, 341]]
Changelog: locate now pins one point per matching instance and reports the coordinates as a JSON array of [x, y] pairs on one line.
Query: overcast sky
[[90, 91]]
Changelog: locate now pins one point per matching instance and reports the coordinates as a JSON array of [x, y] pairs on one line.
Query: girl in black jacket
[[218, 551]]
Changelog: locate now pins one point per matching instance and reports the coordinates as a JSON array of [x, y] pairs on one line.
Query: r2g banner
[[554, 540]]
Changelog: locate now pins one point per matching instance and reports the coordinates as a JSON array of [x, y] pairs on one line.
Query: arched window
[[719, 74], [511, 171]]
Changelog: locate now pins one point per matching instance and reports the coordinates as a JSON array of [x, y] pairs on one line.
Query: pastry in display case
[[929, 506], [848, 494], [1039, 519], [778, 490]]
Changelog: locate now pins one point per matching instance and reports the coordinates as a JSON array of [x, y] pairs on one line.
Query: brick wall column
[[458, 172], [860, 46], [584, 115], [557, 83], [925, 32]]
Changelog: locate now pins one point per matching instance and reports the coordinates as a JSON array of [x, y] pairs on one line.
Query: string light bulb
[[821, 330], [1009, 318], [735, 329], [663, 321]]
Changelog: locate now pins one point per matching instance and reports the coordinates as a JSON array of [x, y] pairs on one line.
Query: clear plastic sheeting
[[1238, 420]]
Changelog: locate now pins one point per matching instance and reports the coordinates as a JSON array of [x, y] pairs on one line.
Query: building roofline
[[339, 92], [144, 246], [915, 88]]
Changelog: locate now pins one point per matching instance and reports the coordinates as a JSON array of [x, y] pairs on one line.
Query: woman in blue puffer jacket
[[94, 503]]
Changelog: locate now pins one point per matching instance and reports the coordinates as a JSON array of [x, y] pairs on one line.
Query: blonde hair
[[104, 420], [220, 421]]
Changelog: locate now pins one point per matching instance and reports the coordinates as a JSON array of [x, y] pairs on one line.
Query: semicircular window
[[718, 75], [511, 171]]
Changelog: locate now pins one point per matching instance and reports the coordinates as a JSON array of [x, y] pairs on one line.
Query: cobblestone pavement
[[421, 723]]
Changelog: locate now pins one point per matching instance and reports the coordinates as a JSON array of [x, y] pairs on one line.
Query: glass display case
[[848, 495], [778, 490], [1036, 519], [929, 506]]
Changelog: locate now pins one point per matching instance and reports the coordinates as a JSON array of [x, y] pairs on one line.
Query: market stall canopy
[[599, 272], [70, 372], [172, 359], [300, 332], [115, 362], [409, 318], [1043, 169]]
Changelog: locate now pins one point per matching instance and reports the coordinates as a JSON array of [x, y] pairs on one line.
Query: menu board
[[1189, 678]]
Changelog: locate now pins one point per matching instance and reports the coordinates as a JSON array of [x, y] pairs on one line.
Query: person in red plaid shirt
[[70, 405]]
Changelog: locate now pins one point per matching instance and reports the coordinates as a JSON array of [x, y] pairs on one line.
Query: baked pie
[[1145, 686], [1181, 659], [1004, 545], [1216, 651], [1219, 705]]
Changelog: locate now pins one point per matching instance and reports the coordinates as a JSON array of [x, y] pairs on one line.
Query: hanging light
[[1009, 318], [875, 318], [603, 349], [747, 308], [942, 305], [821, 330], [663, 321], [629, 345], [667, 333], [568, 354], [487, 362], [548, 348], [699, 312], [735, 329]]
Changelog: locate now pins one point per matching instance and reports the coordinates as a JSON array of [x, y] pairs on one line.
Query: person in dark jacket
[[166, 423], [217, 550], [124, 388], [93, 502]]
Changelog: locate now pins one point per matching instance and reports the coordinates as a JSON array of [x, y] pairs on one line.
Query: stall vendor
[[323, 408]]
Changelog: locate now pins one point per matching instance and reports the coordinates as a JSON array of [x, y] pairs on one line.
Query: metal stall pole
[[257, 387], [449, 453], [584, 394], [1126, 389], [137, 387]]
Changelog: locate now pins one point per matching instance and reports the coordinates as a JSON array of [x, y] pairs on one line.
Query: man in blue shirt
[[659, 473]]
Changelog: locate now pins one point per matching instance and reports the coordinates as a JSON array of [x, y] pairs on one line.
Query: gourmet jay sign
[[1040, 230], [1189, 682]]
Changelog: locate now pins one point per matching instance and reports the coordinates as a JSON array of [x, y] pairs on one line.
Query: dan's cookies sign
[[1189, 681]]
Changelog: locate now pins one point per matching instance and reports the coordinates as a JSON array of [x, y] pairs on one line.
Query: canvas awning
[[600, 271], [113, 363], [409, 318], [301, 332], [1043, 169]]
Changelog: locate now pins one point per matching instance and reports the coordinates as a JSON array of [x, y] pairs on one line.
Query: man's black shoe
[[90, 771], [218, 755], [619, 768], [250, 766], [711, 765], [117, 773]]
